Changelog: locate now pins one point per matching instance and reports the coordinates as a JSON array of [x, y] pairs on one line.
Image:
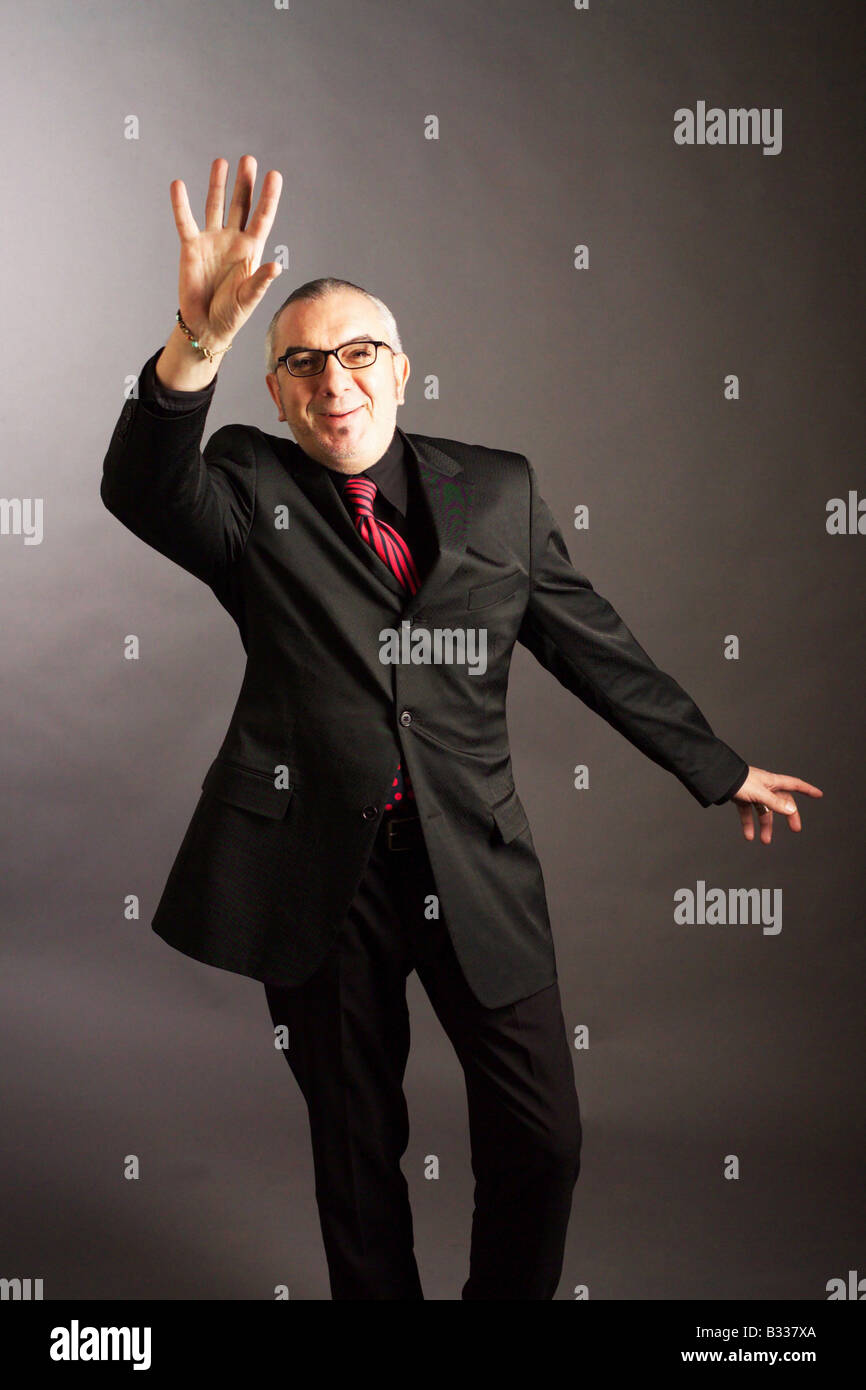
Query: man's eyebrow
[[358, 338]]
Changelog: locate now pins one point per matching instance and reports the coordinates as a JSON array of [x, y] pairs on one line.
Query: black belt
[[403, 832]]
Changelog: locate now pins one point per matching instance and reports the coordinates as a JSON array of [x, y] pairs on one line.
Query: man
[[361, 819]]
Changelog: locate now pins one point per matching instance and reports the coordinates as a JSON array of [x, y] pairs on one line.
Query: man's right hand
[[221, 280]]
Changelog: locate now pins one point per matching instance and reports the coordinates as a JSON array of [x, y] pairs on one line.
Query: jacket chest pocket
[[496, 592], [248, 788]]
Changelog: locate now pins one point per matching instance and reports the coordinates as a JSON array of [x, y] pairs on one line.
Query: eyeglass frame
[[332, 352]]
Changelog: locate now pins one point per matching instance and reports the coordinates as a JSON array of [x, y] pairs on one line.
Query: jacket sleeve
[[194, 507], [576, 635]]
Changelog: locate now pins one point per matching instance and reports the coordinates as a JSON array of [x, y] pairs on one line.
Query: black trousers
[[348, 1047]]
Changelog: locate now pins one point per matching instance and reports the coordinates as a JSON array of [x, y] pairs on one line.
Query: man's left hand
[[765, 792]]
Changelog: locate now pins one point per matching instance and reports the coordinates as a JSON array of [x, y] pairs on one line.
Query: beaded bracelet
[[196, 344]]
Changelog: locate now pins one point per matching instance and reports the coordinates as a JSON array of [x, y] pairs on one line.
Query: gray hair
[[319, 289]]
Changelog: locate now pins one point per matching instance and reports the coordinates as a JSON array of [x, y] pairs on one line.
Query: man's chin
[[342, 440], [345, 450]]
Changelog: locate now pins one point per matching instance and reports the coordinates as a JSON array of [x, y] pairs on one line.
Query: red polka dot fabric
[[402, 793]]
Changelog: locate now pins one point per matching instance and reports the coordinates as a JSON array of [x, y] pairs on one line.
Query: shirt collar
[[388, 473]]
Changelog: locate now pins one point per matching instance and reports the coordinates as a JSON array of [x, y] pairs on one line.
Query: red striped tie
[[393, 551]]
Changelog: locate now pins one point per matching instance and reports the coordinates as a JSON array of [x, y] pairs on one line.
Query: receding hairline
[[366, 302], [325, 288]]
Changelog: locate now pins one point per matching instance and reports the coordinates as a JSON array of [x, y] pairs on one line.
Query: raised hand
[[221, 280]]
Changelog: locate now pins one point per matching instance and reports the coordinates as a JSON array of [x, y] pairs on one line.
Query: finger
[[766, 824], [747, 822], [253, 288], [266, 208], [792, 784], [242, 196], [186, 224], [215, 206]]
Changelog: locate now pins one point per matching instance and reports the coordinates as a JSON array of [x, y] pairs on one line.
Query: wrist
[[210, 350], [181, 367]]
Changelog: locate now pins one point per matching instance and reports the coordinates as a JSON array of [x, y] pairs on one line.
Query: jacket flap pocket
[[510, 816], [247, 787], [485, 594]]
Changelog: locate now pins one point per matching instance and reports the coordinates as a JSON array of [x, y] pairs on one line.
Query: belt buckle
[[397, 821]]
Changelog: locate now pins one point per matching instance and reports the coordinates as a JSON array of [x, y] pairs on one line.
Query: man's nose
[[335, 374]]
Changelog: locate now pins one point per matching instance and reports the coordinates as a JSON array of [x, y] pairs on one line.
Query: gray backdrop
[[707, 518]]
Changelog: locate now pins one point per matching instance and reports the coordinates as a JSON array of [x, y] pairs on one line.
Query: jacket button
[[406, 716], [370, 812]]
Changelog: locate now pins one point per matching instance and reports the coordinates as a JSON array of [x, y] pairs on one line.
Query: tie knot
[[360, 492]]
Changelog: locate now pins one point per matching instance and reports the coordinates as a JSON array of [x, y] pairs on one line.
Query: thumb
[[782, 802], [252, 290]]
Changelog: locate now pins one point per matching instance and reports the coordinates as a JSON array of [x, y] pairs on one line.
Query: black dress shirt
[[399, 499]]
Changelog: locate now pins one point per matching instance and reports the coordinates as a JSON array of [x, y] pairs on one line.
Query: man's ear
[[401, 374], [274, 389]]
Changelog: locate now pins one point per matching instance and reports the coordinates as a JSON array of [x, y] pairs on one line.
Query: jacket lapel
[[447, 495]]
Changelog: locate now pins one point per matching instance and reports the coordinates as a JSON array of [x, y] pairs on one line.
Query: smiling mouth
[[341, 415]]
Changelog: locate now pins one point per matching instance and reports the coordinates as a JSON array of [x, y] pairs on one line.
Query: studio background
[[707, 517]]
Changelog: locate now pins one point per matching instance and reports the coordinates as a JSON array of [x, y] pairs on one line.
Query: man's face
[[341, 417]]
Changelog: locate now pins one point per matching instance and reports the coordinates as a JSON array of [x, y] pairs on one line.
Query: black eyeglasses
[[311, 361]]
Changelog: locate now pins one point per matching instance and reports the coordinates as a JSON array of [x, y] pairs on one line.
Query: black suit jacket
[[291, 803]]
